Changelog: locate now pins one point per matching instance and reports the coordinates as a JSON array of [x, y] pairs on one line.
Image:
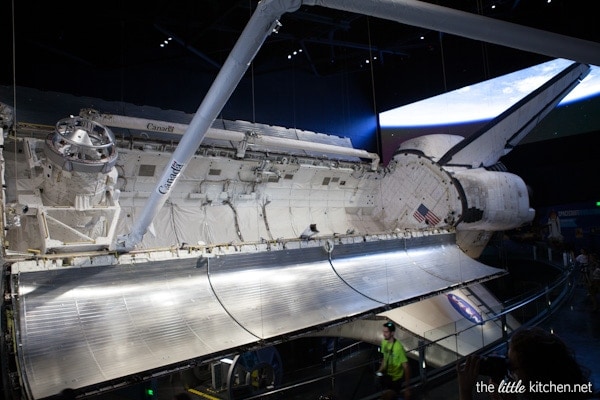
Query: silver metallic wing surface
[[84, 326], [395, 271]]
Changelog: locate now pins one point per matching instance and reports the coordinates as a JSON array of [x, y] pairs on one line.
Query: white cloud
[[487, 99]]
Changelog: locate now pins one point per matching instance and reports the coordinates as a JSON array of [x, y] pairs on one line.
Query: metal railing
[[526, 309]]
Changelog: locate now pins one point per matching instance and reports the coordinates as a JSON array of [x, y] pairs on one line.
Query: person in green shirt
[[394, 365]]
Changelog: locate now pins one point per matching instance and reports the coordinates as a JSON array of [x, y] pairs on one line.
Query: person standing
[[535, 357], [394, 365], [594, 286], [582, 260], [555, 236]]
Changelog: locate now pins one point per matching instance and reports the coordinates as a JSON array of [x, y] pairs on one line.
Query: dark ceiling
[[56, 40]]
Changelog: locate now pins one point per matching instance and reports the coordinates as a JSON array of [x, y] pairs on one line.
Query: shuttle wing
[[498, 137], [86, 326]]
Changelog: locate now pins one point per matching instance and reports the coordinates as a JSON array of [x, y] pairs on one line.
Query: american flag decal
[[424, 214]]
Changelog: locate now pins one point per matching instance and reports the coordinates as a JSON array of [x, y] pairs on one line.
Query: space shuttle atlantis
[[127, 257]]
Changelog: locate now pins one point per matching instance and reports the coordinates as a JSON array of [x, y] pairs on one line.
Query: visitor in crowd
[[535, 357], [394, 366], [555, 236]]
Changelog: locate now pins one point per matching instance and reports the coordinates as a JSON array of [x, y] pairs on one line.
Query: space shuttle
[[193, 240]]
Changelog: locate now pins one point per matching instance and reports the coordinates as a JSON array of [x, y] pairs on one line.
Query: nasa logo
[[465, 309]]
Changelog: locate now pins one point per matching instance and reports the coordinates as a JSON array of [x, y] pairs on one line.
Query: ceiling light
[[294, 53]]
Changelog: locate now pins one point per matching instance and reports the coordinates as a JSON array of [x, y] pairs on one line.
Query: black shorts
[[388, 384]]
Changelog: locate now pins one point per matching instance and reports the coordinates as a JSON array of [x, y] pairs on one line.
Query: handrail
[[505, 311], [564, 280]]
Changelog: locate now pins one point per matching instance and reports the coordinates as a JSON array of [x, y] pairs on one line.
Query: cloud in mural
[[487, 99]]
